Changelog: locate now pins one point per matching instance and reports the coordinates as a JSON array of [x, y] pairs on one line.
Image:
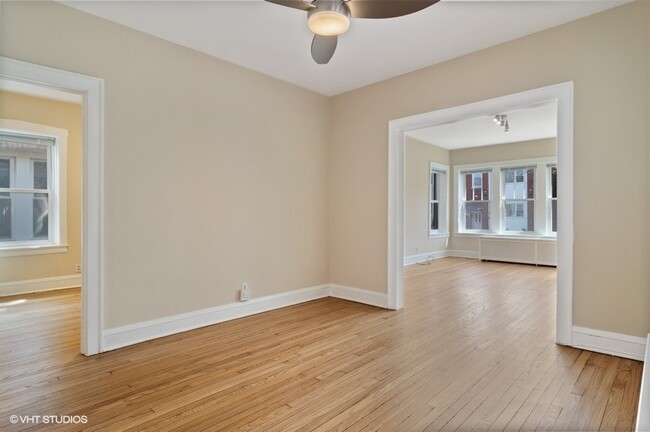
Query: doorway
[[562, 94], [91, 91]]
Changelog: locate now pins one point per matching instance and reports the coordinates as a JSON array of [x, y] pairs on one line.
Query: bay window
[[508, 198]]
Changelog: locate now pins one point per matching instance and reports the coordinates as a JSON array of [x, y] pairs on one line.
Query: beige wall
[[64, 116], [417, 158], [214, 174], [504, 152], [606, 55]]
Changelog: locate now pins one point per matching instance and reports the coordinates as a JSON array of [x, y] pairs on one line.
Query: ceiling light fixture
[[502, 121], [329, 18]]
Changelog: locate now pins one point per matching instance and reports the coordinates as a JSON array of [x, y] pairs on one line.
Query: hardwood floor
[[472, 351]]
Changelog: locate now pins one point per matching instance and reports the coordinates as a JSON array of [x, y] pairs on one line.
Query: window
[[31, 205], [476, 202], [508, 198], [553, 197], [518, 195], [438, 199]]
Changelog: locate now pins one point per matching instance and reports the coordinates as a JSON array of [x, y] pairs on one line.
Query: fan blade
[[386, 8], [323, 47], [296, 4]]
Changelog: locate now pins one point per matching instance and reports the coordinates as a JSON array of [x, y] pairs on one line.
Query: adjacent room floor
[[472, 350]]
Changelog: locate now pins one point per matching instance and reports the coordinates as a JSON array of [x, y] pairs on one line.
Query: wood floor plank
[[473, 349]]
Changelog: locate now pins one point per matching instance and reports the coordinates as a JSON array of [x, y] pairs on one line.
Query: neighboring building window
[[28, 195], [476, 203], [553, 197], [518, 197]]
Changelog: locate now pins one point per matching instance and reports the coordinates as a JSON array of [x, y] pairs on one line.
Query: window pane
[[40, 174], [554, 215], [520, 215], [523, 186], [5, 216], [40, 214], [5, 174], [434, 216], [468, 187], [434, 187], [554, 182], [477, 216], [486, 186]]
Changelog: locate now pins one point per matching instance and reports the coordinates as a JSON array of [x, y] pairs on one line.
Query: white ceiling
[[525, 125], [275, 40]]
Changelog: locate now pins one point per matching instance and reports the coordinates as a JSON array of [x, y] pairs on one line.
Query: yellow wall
[[214, 174], [64, 116], [606, 55]]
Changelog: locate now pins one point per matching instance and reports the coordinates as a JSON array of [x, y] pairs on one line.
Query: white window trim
[[58, 224], [443, 201], [497, 221], [460, 198]]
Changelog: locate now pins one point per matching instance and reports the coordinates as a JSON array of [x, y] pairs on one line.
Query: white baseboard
[[38, 285], [134, 333], [464, 254], [643, 414], [413, 259], [358, 295], [617, 344]]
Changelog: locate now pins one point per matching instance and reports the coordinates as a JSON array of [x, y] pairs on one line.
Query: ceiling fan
[[329, 18]]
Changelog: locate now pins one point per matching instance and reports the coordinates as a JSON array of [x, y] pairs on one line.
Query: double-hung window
[[30, 199], [438, 199], [518, 196], [476, 203]]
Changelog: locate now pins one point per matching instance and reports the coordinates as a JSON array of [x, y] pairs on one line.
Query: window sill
[[32, 250], [439, 235], [509, 236]]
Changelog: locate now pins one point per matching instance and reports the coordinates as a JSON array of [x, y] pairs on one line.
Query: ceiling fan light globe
[[328, 23]]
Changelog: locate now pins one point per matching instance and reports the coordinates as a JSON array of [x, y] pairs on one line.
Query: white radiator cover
[[529, 250]]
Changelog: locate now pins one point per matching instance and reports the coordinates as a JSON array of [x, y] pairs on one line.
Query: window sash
[[22, 151]]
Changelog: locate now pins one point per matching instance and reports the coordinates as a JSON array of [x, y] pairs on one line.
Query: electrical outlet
[[78, 268], [244, 292]]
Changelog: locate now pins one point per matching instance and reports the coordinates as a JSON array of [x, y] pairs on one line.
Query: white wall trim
[[605, 342], [563, 94], [643, 415], [135, 333], [414, 259], [464, 254], [91, 89], [39, 285], [119, 337], [358, 295]]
